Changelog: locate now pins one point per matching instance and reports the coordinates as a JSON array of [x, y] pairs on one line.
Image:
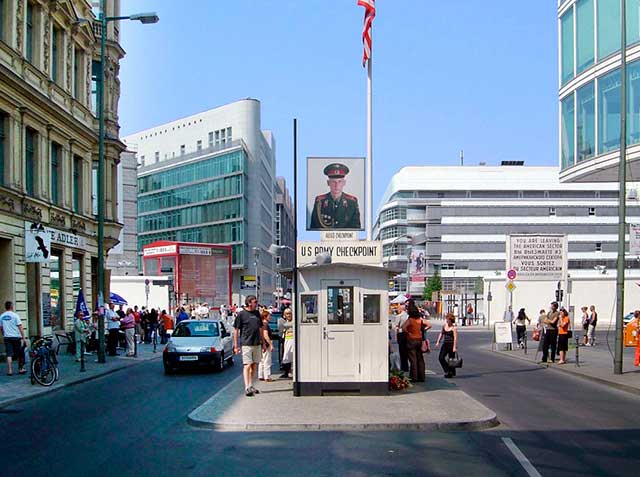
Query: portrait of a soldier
[[335, 209]]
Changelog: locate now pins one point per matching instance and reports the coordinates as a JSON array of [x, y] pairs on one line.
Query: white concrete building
[[460, 218], [210, 177], [123, 258]]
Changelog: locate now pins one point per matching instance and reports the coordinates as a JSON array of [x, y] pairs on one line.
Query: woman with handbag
[[521, 326], [449, 337], [413, 327]]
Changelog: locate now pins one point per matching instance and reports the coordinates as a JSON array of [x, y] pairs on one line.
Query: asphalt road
[[133, 422]]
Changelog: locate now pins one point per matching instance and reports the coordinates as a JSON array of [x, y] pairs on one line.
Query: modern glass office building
[[210, 178], [590, 88]]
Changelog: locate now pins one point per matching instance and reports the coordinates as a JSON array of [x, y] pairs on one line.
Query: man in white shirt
[[113, 326], [14, 339], [401, 318]]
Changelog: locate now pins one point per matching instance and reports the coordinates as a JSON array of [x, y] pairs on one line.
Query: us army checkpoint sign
[[358, 251]]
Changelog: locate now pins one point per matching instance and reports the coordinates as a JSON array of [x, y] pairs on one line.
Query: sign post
[[146, 292]]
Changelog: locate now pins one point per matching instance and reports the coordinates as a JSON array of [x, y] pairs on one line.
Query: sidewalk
[[596, 362], [436, 405], [18, 387]]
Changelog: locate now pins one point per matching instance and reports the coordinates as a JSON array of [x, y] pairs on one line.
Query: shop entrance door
[[340, 343], [34, 303]]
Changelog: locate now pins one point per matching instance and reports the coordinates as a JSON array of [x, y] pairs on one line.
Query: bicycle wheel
[[43, 371]]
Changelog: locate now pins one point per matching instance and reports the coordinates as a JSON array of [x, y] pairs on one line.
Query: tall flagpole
[[369, 149]]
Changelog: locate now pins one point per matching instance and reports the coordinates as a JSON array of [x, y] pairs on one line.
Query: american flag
[[369, 15]]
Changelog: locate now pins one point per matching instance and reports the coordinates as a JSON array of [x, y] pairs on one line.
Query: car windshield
[[195, 329]]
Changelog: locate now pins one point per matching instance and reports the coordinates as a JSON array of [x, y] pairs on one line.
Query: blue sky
[[476, 75]]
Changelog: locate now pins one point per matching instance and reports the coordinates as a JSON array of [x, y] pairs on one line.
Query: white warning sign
[[538, 257]]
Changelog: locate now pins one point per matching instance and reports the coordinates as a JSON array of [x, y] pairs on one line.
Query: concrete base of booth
[[332, 389]]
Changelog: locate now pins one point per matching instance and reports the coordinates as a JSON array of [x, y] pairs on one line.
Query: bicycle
[[44, 363]]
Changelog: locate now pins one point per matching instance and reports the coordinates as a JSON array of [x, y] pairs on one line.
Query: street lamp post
[[256, 263], [104, 20]]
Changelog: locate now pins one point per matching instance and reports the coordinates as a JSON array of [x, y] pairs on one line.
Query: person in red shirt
[[563, 336], [167, 324]]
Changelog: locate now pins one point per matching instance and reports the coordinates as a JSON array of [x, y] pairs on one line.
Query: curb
[[595, 379], [45, 390], [481, 424]]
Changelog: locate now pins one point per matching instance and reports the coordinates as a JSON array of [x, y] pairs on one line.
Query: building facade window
[[592, 211], [94, 188], [199, 145], [598, 246], [77, 184], [567, 123], [633, 103], [608, 20], [566, 40], [30, 161], [552, 211], [633, 21], [609, 112], [586, 127], [157, 156], [584, 35], [182, 149], [210, 138], [56, 158], [95, 80], [29, 40]]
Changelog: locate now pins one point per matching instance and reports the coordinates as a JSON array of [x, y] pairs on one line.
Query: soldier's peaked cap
[[336, 170]]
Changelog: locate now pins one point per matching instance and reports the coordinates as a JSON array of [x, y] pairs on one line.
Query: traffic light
[[559, 295]]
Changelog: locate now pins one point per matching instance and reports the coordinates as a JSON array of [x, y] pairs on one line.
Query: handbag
[[570, 334], [536, 335], [454, 361], [426, 346]]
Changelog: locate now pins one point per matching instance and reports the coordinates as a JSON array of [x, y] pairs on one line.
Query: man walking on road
[[248, 325], [14, 339]]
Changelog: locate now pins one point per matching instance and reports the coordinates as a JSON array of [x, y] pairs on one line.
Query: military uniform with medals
[[340, 213]]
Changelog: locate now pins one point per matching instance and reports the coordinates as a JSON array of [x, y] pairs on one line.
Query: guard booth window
[[309, 308], [340, 305], [371, 304]]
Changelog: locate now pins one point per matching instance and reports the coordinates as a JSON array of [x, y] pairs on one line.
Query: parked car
[[198, 343]]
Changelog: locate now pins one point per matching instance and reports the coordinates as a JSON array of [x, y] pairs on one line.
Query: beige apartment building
[[49, 64]]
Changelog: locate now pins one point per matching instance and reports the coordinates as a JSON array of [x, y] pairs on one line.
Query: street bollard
[[577, 351], [524, 340], [135, 345], [82, 368]]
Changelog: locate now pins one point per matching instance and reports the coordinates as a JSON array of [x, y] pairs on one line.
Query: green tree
[[434, 284]]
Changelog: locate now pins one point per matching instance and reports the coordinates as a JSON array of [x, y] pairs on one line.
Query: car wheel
[[218, 362]]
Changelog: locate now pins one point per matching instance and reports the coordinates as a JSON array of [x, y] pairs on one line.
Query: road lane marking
[[524, 462]]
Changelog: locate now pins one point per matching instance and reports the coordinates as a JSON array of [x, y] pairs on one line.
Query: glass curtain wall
[[567, 124], [566, 28], [633, 103], [584, 34], [608, 20], [633, 21], [609, 112], [586, 128]]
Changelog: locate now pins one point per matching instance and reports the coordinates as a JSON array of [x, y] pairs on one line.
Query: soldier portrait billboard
[[335, 193]]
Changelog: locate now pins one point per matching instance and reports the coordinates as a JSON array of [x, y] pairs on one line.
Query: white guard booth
[[343, 329]]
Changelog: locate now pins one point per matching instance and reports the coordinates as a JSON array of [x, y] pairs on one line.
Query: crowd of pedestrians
[[408, 342]]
